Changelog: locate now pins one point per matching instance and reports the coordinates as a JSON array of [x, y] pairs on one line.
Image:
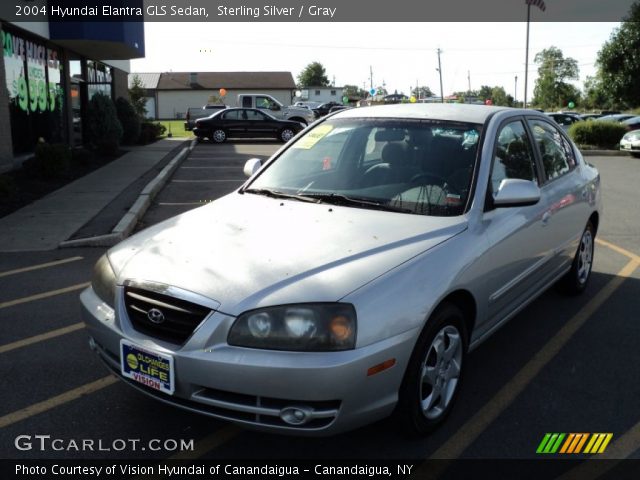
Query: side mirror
[[514, 192], [252, 166], [275, 107]]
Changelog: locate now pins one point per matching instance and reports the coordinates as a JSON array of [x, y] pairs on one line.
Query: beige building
[[170, 94]]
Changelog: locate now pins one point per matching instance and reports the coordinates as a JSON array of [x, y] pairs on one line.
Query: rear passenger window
[[513, 157], [556, 152]]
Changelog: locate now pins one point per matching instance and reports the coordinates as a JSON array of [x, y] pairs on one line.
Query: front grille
[[162, 316]]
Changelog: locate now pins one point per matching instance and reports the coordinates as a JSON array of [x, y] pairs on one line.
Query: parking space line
[[619, 249], [179, 204], [40, 338], [478, 423], [39, 296], [56, 401], [37, 267]]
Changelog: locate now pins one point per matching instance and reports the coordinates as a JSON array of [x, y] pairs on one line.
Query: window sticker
[[310, 139]]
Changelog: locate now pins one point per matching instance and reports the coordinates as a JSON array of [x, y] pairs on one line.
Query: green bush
[[597, 133], [7, 188], [150, 132], [129, 120], [81, 156], [104, 131], [50, 161]]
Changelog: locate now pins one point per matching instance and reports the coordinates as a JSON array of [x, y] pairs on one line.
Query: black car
[[324, 108], [245, 123]]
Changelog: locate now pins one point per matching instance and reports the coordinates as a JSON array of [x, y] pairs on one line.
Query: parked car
[[194, 113], [618, 117], [245, 123], [590, 116], [274, 108], [324, 108], [630, 142], [632, 123], [350, 276], [337, 108], [565, 120]]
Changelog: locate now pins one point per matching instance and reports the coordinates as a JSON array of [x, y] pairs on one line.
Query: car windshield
[[409, 166]]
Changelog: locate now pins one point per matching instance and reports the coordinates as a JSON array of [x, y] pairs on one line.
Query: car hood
[[246, 251]]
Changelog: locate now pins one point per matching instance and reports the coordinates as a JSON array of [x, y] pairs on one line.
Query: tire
[[286, 134], [218, 136], [576, 280], [434, 373]]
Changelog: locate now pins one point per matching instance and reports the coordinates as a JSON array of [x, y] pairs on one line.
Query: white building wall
[[174, 103], [321, 95]]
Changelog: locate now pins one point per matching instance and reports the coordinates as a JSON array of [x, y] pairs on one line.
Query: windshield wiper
[[339, 199], [277, 194]]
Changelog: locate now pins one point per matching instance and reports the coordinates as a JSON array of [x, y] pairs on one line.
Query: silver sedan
[[350, 276]]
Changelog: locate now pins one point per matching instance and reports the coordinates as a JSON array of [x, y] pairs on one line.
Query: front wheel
[[575, 281], [219, 136], [434, 373], [287, 134]]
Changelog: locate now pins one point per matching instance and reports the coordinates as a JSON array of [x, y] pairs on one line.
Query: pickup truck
[[194, 113], [275, 108]]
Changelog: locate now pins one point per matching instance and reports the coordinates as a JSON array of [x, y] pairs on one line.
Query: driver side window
[[513, 156]]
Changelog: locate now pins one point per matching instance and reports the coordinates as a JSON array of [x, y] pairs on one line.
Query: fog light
[[295, 415]]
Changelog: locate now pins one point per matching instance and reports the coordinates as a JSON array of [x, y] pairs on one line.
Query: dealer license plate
[[152, 369]]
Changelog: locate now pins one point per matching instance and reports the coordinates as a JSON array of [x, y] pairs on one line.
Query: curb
[[128, 222], [603, 153]]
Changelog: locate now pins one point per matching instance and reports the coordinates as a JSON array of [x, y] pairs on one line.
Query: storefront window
[[34, 83], [99, 78]]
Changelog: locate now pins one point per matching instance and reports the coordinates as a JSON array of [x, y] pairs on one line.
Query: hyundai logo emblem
[[155, 316]]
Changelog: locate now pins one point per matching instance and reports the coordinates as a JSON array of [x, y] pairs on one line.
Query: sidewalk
[[46, 223]]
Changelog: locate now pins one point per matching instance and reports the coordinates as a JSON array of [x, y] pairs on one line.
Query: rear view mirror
[[514, 192], [252, 166]]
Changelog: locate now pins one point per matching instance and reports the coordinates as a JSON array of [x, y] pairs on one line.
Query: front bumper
[[256, 388]]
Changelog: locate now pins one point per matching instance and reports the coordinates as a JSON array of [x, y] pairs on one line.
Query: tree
[[500, 97], [619, 62], [313, 75], [551, 88], [353, 91], [596, 96], [138, 97], [422, 92], [103, 127]]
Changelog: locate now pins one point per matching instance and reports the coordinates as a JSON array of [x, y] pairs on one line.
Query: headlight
[[104, 281], [313, 327]]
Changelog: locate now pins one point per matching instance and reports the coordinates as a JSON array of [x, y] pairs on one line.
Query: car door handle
[[545, 218]]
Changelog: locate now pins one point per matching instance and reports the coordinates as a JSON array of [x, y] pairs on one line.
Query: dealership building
[[51, 70]]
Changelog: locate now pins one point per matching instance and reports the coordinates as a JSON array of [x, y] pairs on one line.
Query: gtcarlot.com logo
[[588, 443]]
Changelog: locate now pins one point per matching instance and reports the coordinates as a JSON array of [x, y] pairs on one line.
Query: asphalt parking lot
[[562, 365]]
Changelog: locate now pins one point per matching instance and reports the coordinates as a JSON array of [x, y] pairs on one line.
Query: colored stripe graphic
[[574, 443]]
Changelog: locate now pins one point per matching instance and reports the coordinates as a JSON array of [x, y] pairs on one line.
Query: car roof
[[439, 111], [632, 120]]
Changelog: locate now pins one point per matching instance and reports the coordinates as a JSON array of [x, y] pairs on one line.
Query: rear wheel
[[575, 281], [287, 134], [434, 373], [219, 136]]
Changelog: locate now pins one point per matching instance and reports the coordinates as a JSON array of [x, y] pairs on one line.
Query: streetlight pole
[[515, 91], [440, 71]]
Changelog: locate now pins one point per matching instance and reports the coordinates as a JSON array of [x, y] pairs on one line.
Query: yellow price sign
[[314, 136]]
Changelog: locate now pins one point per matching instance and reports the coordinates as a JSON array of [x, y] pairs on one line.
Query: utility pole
[[469, 80], [526, 58], [440, 71], [371, 76], [515, 91]]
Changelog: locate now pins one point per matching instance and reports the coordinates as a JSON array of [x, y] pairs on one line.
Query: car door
[[518, 252], [232, 123], [567, 211], [260, 125]]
